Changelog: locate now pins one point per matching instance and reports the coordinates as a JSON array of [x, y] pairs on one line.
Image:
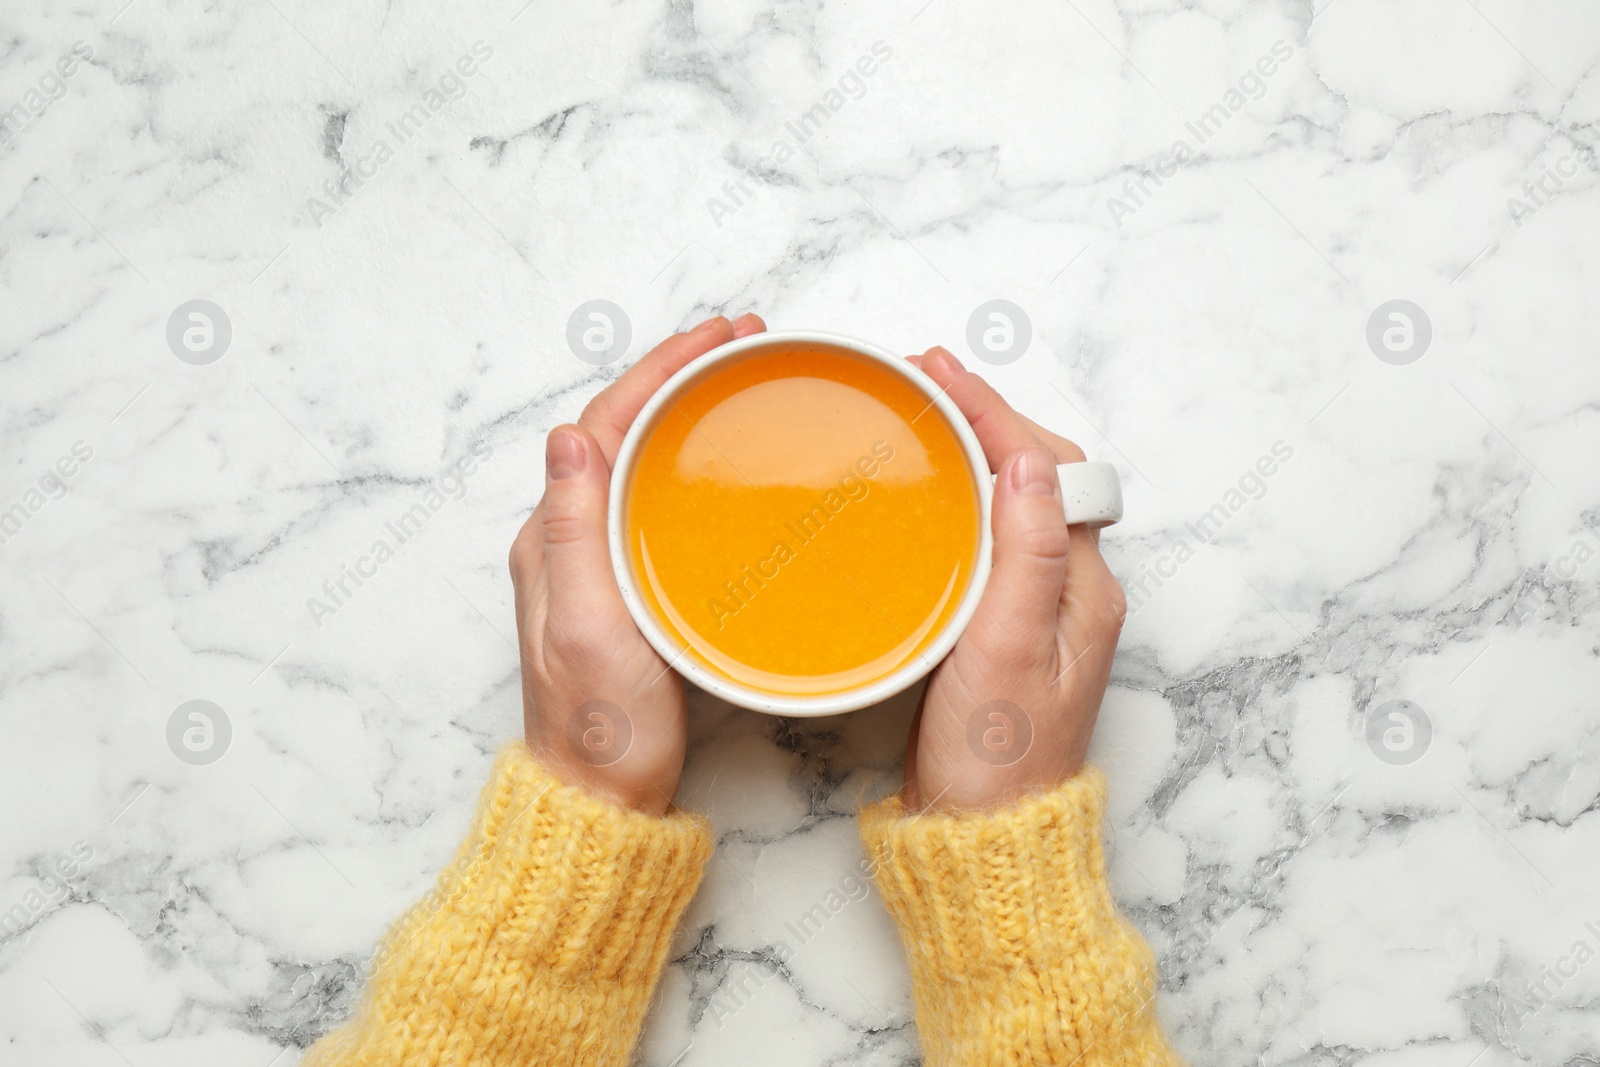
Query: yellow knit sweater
[[542, 944]]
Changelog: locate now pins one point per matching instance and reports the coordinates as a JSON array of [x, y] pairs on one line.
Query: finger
[[1004, 434], [1066, 450], [747, 324], [572, 529], [1031, 550], [915, 361], [614, 408], [526, 558], [1001, 431]]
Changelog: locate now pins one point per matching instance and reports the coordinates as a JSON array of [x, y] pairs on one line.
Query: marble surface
[[1199, 208]]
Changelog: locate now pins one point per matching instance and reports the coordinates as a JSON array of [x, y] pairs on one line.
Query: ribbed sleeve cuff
[[543, 940], [1017, 952]]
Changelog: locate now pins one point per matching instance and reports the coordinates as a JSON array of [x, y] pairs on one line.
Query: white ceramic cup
[[1090, 493]]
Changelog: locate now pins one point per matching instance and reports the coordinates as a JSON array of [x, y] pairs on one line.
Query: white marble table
[[1198, 207]]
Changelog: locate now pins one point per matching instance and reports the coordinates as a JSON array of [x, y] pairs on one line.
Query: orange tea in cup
[[802, 521]]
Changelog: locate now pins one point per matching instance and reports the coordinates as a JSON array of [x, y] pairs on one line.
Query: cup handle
[[1091, 493]]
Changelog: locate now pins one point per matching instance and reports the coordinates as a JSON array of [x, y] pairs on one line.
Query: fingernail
[[747, 319], [942, 360], [1034, 474], [707, 325], [564, 456]]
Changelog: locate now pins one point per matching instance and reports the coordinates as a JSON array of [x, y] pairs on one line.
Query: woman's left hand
[[601, 709]]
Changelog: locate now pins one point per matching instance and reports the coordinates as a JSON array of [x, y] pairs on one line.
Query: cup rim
[[677, 657]]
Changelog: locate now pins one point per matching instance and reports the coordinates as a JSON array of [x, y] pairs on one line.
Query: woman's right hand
[[1011, 709]]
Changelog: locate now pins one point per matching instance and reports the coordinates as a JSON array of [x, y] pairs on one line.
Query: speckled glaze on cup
[[1091, 492]]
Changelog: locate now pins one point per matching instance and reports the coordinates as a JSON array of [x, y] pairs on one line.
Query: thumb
[[1031, 543], [573, 526]]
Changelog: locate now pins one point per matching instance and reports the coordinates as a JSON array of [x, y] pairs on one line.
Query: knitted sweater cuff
[[542, 941], [1018, 955]]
